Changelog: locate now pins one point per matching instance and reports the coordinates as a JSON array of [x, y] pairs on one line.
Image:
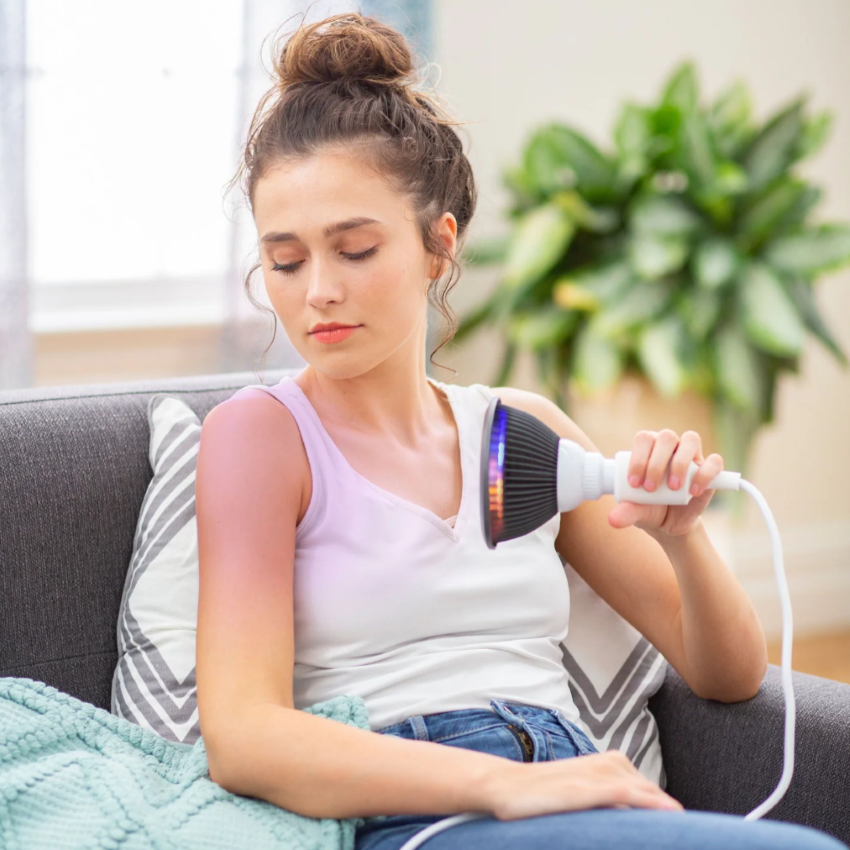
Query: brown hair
[[344, 81]]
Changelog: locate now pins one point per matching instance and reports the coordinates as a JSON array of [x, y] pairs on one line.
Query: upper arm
[[248, 492], [625, 566]]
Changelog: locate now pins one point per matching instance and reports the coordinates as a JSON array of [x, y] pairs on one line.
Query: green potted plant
[[685, 254]]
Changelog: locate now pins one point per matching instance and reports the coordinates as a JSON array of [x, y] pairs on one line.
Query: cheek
[[285, 300], [393, 288]]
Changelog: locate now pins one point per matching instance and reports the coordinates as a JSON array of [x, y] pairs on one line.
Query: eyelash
[[291, 269]]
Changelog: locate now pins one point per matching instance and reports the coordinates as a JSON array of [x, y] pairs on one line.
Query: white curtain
[[117, 136], [16, 345]]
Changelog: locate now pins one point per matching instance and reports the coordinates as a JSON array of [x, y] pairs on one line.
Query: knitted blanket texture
[[75, 776]]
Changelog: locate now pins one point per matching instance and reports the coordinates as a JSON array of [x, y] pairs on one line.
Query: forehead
[[324, 187]]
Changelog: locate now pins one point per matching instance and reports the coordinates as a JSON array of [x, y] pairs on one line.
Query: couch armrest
[[727, 757]]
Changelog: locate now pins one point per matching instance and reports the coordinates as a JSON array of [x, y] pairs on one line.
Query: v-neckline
[[454, 531]]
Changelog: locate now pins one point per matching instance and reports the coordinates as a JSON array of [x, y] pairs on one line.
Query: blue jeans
[[529, 733]]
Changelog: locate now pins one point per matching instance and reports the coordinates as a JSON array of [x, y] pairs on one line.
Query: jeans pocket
[[577, 735]]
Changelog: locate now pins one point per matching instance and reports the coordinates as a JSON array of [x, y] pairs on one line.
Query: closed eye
[[291, 268]]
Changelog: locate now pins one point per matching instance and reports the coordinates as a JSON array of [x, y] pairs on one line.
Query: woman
[[339, 535]]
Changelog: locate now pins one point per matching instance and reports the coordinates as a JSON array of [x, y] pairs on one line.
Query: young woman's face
[[372, 274]]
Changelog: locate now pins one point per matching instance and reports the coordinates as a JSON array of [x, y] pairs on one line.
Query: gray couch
[[73, 472]]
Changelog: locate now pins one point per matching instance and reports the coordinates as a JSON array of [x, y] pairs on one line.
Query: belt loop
[[541, 752], [419, 728]]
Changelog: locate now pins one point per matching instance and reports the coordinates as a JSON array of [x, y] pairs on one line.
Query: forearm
[[322, 768], [721, 634]]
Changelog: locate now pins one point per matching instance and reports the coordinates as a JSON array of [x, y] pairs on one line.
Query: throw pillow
[[611, 679], [154, 681]]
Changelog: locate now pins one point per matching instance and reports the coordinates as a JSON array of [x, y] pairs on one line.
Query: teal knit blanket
[[75, 776]]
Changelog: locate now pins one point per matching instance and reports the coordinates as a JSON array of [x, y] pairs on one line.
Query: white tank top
[[409, 611]]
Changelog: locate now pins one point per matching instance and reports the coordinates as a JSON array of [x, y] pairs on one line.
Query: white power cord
[[613, 472], [787, 632]]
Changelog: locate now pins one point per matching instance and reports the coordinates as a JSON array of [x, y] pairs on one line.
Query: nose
[[323, 284]]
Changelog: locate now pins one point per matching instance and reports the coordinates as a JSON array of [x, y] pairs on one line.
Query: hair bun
[[347, 47]]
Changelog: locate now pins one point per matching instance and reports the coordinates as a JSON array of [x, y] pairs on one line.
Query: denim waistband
[[532, 719]]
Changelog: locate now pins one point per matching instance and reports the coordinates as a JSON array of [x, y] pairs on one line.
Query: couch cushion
[[74, 470]]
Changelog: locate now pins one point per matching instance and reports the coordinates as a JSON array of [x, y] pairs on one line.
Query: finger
[[641, 449], [665, 444], [637, 796], [624, 515], [709, 469], [688, 450]]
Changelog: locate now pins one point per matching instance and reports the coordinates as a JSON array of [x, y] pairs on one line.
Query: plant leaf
[[642, 302], [697, 151], [811, 252], [682, 88], [541, 328], [652, 256], [768, 314], [729, 119], [737, 366], [538, 242], [663, 215], [590, 287], [729, 178], [700, 309], [595, 173], [601, 220], [765, 212], [471, 321], [660, 351], [546, 163], [633, 131], [597, 361], [815, 132], [516, 179], [802, 295], [735, 430], [715, 262], [506, 366], [774, 148], [486, 251]]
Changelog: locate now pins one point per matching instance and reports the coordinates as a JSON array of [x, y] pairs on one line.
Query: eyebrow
[[329, 231]]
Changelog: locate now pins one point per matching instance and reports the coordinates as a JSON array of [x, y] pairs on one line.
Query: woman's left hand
[[651, 454]]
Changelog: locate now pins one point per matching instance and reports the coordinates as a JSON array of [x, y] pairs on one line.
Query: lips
[[333, 328], [335, 334]]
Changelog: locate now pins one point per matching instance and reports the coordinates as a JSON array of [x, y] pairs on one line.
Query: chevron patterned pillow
[[612, 678], [154, 681]]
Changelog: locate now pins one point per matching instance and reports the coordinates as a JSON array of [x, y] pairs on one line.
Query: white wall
[[509, 67]]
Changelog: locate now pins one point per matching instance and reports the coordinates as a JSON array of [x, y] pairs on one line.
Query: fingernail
[[634, 481], [649, 485], [673, 482], [695, 490]]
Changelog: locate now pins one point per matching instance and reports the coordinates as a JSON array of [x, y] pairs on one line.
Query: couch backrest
[[73, 472]]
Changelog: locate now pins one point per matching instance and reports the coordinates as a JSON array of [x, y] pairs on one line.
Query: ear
[[445, 230]]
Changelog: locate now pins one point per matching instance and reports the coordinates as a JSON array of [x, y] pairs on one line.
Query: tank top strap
[[321, 452]]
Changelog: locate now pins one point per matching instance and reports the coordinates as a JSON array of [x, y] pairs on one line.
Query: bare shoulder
[[256, 433], [546, 411], [253, 411]]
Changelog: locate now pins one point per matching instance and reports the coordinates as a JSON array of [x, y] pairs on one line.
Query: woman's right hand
[[590, 781]]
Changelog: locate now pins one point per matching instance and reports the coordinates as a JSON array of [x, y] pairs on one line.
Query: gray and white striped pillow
[[613, 671], [154, 681]]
